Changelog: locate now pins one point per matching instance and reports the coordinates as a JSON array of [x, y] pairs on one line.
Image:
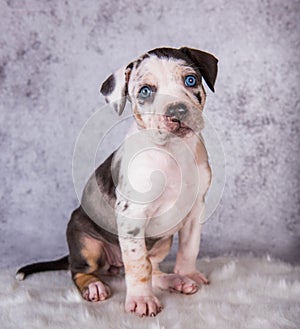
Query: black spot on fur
[[139, 61], [104, 177], [198, 96], [129, 66], [150, 242], [108, 85], [134, 232], [168, 53]]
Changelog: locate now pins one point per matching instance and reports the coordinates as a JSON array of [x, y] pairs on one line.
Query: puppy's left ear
[[114, 88], [205, 62]]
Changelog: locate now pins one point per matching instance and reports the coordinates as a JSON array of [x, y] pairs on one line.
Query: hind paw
[[96, 291]]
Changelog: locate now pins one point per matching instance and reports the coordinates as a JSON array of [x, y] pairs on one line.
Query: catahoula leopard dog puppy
[[119, 223]]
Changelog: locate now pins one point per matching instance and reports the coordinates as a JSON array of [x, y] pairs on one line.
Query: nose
[[176, 111]]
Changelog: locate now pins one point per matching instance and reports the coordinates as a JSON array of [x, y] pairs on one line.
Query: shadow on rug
[[245, 292]]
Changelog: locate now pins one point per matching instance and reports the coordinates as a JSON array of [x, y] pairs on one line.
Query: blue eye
[[190, 81], [145, 92]]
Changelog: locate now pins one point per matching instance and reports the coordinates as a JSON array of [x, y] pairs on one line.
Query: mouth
[[176, 126]]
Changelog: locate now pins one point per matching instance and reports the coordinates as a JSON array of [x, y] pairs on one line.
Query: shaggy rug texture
[[245, 292]]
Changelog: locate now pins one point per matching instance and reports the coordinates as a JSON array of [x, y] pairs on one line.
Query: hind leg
[[87, 259], [86, 272]]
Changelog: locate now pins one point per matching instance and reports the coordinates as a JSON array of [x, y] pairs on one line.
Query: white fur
[[244, 293]]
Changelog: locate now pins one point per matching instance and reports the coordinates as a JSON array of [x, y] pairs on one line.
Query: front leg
[[188, 249], [139, 296]]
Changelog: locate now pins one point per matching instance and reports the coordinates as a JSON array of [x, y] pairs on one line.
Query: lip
[[176, 127], [182, 131]]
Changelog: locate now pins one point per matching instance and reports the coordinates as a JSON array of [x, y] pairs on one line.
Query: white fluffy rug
[[244, 293]]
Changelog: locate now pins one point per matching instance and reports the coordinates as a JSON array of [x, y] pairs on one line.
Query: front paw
[[198, 277], [175, 283], [143, 305]]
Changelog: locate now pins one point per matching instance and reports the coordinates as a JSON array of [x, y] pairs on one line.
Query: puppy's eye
[[190, 81], [145, 92]]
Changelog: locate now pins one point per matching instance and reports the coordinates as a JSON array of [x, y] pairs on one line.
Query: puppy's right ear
[[206, 63], [114, 88]]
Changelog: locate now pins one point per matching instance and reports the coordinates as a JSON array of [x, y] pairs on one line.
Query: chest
[[159, 175]]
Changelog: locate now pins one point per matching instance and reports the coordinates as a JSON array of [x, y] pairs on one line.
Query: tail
[[55, 265]]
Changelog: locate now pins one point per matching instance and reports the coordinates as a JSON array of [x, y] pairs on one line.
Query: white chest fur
[[162, 182]]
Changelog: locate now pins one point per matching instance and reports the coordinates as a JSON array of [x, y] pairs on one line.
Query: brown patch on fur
[[127, 74], [138, 118], [140, 269], [92, 251], [145, 279], [82, 280]]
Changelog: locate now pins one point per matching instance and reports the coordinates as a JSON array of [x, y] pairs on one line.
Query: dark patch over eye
[[190, 81], [145, 92]]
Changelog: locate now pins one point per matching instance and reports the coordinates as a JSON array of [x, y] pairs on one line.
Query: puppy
[[150, 188]]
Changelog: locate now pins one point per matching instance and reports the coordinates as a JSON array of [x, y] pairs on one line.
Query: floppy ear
[[205, 62], [114, 88]]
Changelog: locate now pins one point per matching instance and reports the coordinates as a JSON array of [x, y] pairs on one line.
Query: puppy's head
[[165, 88]]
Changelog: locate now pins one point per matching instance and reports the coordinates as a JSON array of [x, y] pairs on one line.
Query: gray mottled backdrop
[[55, 54]]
